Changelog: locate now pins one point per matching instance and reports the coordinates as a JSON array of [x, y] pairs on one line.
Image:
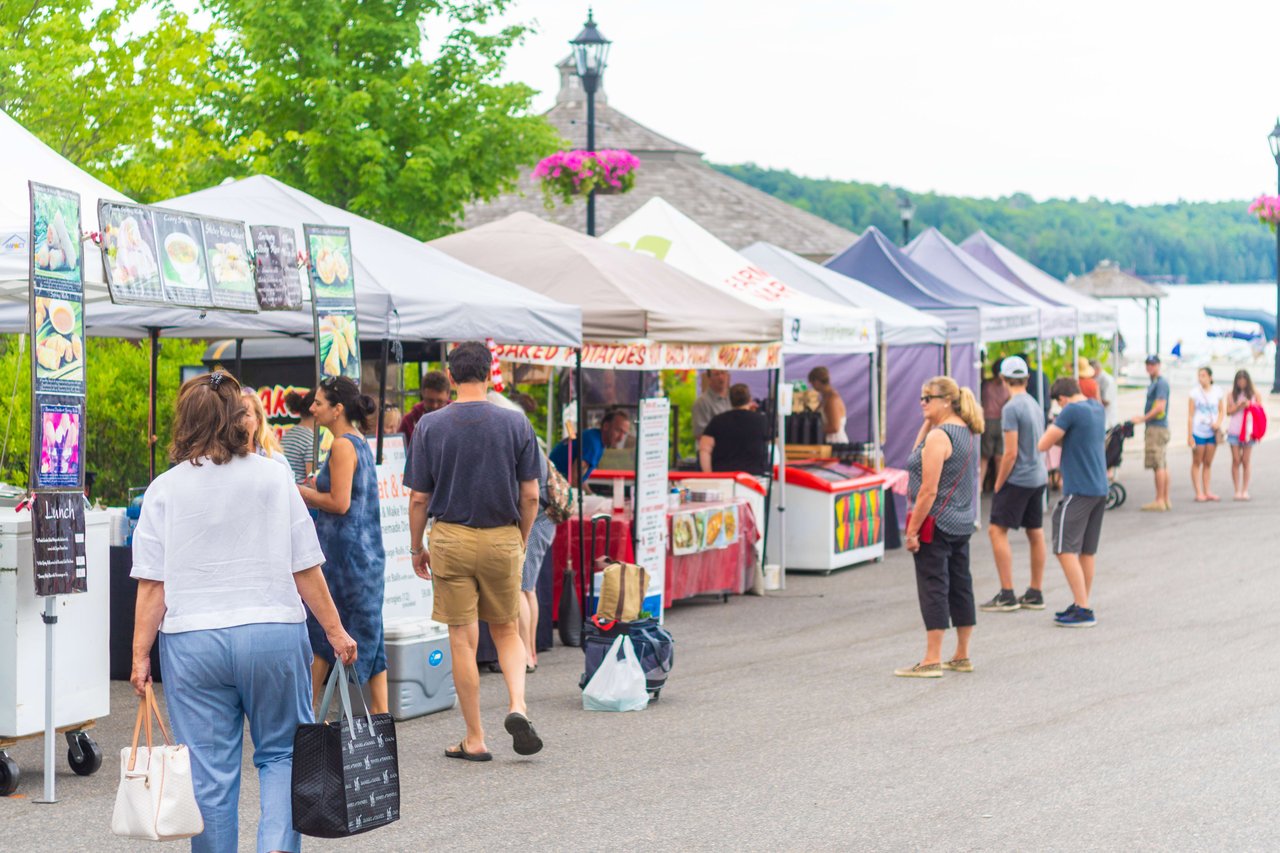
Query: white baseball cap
[[1015, 367]]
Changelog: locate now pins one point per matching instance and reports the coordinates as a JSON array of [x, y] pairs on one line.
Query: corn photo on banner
[[333, 300], [56, 316]]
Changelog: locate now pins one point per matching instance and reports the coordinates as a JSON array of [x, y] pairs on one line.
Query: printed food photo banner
[[56, 314], [155, 256], [333, 300]]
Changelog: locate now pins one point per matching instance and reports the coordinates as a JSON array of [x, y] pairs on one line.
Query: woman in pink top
[[1241, 397]]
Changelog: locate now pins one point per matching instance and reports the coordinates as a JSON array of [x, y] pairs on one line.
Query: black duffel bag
[[346, 774], [655, 649]]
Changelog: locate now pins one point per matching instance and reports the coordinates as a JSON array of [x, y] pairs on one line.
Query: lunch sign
[[156, 256], [56, 317]]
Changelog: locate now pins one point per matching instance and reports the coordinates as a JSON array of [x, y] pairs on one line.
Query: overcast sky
[[1129, 100]]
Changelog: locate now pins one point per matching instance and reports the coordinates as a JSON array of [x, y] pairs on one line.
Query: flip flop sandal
[[460, 751], [524, 739]]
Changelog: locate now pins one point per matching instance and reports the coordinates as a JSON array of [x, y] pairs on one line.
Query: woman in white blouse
[[225, 555]]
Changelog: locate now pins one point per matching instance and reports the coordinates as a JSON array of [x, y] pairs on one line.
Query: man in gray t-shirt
[[473, 469], [1019, 491]]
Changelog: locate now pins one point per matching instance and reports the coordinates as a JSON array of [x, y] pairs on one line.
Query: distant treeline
[[1192, 241]]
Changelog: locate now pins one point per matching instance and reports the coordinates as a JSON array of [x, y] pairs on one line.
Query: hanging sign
[[647, 355], [182, 259], [56, 317], [57, 543], [275, 254], [129, 254], [227, 256], [333, 300]]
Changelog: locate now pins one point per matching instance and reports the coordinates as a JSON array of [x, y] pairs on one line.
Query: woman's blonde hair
[[265, 437], [962, 401]]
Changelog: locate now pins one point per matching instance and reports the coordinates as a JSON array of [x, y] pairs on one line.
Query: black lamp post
[[1274, 139], [590, 55], [908, 212]]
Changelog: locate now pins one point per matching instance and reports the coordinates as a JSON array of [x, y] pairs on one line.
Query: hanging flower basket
[[1267, 209], [566, 174]]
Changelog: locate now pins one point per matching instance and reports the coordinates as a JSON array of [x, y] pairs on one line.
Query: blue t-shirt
[[1158, 390], [1084, 458], [592, 453]]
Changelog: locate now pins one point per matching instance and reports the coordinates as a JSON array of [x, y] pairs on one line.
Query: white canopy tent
[[897, 322], [28, 159], [812, 325]]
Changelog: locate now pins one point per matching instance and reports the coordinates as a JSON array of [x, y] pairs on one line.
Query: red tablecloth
[[726, 570]]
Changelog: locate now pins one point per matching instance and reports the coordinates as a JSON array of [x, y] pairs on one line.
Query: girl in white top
[[225, 556], [1241, 397], [833, 411], [1205, 414]]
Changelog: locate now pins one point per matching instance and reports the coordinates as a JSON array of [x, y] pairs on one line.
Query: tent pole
[[551, 409], [584, 568], [380, 420], [782, 487], [882, 400], [876, 462], [946, 358], [1146, 326], [774, 434], [153, 336], [239, 358], [1158, 347], [1040, 371]]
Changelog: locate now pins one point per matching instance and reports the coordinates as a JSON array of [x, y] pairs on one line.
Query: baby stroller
[[1116, 494]]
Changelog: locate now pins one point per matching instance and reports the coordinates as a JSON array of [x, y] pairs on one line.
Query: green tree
[[340, 98], [123, 90]]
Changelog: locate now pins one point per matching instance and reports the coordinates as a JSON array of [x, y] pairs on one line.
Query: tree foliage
[[1201, 241]]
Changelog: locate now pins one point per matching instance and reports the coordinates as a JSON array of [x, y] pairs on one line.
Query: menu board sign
[[230, 276], [129, 254], [275, 252], [333, 300], [182, 259], [406, 597], [56, 298], [57, 543], [651, 494]]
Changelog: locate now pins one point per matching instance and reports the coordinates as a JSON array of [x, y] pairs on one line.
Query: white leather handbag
[[156, 800]]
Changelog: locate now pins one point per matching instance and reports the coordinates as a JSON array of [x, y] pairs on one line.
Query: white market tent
[[27, 158], [623, 295], [1095, 316], [404, 289], [948, 261], [812, 325], [898, 323]]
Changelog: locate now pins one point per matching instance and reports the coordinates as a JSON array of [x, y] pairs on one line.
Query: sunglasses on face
[[927, 397]]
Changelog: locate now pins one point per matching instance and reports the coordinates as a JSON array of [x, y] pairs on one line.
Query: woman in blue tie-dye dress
[[350, 529]]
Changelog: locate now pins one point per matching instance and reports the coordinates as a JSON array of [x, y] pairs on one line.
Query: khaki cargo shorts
[[476, 573], [1156, 443]]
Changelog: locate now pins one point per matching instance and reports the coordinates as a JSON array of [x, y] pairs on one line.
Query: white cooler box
[[419, 668]]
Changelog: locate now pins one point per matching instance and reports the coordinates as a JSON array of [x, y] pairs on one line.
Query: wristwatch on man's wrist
[[413, 552]]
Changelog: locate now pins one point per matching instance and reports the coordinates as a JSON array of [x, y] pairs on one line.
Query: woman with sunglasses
[[942, 488], [348, 521]]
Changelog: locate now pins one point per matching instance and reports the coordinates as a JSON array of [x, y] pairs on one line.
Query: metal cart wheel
[[9, 775], [1116, 495], [83, 754]]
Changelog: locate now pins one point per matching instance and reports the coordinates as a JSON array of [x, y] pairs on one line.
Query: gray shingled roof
[[1108, 281], [733, 211]]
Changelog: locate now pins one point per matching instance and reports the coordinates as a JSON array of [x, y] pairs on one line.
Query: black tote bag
[[346, 774]]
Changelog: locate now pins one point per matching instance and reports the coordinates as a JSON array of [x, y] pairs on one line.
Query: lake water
[[1182, 317]]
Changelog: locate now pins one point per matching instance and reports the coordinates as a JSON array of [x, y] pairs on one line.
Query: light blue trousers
[[212, 681]]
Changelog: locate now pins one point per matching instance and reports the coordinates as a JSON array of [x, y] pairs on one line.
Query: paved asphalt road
[[782, 727]]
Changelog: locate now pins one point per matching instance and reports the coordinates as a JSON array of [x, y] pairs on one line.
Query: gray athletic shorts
[[1077, 524]]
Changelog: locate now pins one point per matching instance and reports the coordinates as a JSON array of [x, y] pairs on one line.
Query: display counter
[[835, 516], [695, 565]]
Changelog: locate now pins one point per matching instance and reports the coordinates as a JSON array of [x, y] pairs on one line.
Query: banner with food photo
[[57, 445], [183, 270], [230, 275], [57, 543], [275, 255], [129, 254], [333, 300], [57, 292]]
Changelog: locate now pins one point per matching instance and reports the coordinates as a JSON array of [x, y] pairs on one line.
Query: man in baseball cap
[[1018, 501], [1155, 414]]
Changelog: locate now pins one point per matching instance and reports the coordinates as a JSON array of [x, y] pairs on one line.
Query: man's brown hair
[[208, 421], [739, 395]]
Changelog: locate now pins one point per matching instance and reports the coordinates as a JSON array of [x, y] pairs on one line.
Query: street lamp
[[1274, 140], [590, 55], [908, 212]]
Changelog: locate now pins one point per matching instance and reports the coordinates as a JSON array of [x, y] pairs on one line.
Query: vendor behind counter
[[614, 428], [736, 440]]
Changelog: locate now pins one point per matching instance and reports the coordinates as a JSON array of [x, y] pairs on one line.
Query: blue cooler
[[419, 668]]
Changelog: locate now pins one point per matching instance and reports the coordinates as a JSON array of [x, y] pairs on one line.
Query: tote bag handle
[[147, 710], [339, 677]]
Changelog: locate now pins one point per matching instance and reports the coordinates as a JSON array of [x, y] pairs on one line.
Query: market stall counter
[[712, 550], [836, 516]]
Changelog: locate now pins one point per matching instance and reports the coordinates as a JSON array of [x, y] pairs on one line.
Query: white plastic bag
[[618, 685]]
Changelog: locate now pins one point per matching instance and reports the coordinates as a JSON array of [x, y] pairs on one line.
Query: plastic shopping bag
[[618, 685]]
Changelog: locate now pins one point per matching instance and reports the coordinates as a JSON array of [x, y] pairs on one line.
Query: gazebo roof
[[1108, 281], [735, 212]]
